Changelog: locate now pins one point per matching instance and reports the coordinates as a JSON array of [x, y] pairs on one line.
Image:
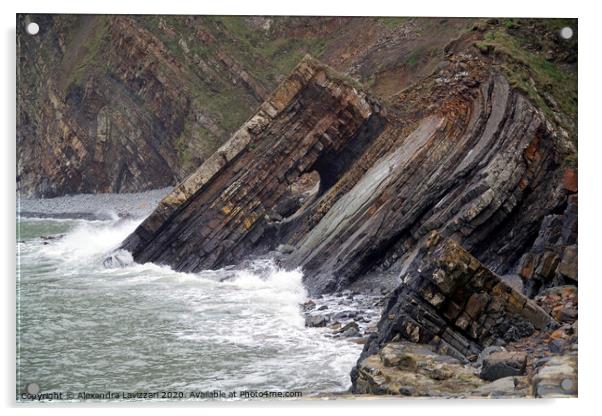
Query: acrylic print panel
[[250, 207]]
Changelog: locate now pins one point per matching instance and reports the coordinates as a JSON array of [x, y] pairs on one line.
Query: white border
[[590, 95]]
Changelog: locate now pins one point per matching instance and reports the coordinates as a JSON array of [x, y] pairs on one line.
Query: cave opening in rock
[[333, 164]]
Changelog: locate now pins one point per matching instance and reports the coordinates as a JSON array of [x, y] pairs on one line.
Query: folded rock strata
[[451, 190], [462, 153], [314, 121]]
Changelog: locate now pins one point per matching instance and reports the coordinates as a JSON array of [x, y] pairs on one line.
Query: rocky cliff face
[[477, 162], [312, 122], [129, 103], [459, 192], [459, 189]]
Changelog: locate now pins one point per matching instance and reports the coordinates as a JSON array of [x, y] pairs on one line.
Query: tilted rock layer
[[463, 153], [449, 190], [450, 300], [219, 214]]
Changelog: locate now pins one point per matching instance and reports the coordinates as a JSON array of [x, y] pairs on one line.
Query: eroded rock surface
[[456, 193], [314, 121], [450, 300], [407, 369]]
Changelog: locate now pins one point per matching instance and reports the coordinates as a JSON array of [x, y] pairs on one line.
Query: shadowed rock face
[[312, 122]]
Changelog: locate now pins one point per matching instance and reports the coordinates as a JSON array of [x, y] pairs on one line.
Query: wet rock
[[347, 314], [350, 329], [316, 321], [503, 364], [285, 249], [309, 305], [51, 237], [117, 259], [335, 326]]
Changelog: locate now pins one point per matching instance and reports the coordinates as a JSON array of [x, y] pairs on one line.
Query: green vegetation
[[84, 52], [550, 85], [263, 54], [393, 22]]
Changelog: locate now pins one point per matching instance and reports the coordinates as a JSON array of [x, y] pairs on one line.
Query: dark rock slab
[[503, 364]]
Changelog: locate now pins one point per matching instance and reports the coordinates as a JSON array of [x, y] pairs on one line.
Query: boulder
[[505, 387], [557, 377], [503, 364], [316, 321], [407, 369]]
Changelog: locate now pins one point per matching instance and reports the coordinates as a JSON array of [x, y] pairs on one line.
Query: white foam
[[254, 312], [90, 241]]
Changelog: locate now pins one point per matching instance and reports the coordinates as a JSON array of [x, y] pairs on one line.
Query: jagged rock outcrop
[[552, 260], [462, 153], [449, 299], [450, 304], [314, 121], [484, 168]]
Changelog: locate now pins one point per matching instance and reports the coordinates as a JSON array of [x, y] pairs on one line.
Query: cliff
[[447, 180], [459, 192], [312, 121], [472, 158], [129, 103]]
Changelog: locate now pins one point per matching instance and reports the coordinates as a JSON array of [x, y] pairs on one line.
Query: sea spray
[[88, 327]]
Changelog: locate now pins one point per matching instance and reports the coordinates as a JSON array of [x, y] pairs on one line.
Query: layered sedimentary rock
[[552, 260], [484, 168], [130, 103], [313, 121], [450, 196], [449, 299], [462, 153], [451, 304]]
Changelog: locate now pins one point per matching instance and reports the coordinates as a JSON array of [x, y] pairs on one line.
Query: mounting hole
[[33, 388], [32, 28], [567, 384], [566, 33]]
